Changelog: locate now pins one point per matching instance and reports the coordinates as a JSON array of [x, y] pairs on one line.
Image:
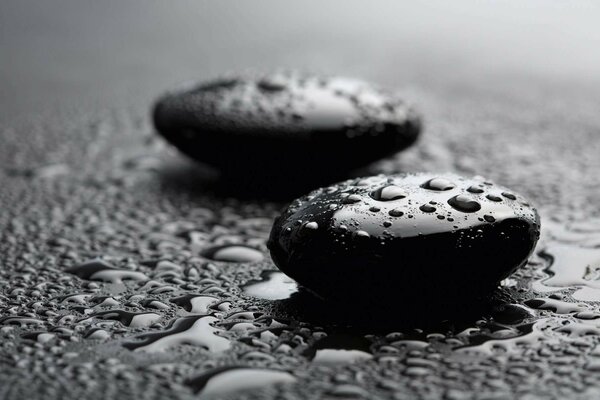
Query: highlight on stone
[[408, 236]]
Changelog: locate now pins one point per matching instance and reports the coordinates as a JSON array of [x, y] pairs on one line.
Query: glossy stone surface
[[400, 236], [286, 126]]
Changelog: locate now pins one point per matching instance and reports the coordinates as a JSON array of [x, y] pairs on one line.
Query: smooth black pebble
[[286, 127], [402, 238]]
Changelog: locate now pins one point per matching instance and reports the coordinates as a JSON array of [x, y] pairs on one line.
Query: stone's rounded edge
[[415, 125], [349, 256], [157, 115]]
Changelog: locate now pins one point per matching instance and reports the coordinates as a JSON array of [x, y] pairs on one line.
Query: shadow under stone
[[252, 185], [438, 315]]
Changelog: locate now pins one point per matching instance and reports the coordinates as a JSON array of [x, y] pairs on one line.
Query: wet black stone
[[403, 251], [287, 127]]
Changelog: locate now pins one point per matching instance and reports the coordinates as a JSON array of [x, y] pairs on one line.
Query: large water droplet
[[464, 203], [475, 189], [388, 193], [230, 380], [439, 184], [360, 234], [233, 253], [340, 348], [489, 218], [311, 226], [493, 197], [351, 199], [396, 213], [99, 270], [427, 208], [339, 356]]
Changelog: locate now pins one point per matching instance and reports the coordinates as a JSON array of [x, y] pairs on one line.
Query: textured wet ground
[[126, 270]]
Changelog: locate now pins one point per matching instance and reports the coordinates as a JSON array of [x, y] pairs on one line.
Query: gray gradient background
[[509, 90]]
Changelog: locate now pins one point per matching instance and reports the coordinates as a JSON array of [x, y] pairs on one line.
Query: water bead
[[464, 203], [439, 184]]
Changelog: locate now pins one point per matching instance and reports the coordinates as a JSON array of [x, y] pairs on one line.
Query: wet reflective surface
[[184, 291], [102, 223]]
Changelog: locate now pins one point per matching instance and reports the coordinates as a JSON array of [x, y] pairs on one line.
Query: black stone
[[286, 127], [374, 250]]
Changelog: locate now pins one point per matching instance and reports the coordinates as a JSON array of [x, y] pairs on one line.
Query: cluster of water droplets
[[181, 299], [292, 100], [403, 207]]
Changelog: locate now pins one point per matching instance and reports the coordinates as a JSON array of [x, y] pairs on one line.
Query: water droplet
[[464, 203], [396, 213], [229, 380], [587, 315], [489, 218], [493, 197], [475, 190], [361, 234], [509, 195], [97, 334], [312, 226], [340, 356], [427, 208], [558, 306], [351, 199], [233, 253], [389, 193], [99, 270], [438, 184]]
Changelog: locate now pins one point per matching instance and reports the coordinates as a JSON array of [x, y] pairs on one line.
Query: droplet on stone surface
[[389, 193], [439, 184], [428, 256], [276, 122], [475, 190], [428, 208], [464, 203], [493, 197]]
